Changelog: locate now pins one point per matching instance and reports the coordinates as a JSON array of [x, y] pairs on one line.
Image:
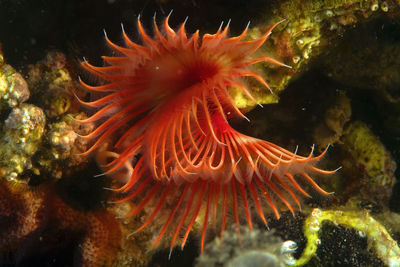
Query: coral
[[378, 237], [135, 245], [256, 248], [28, 215], [21, 137]]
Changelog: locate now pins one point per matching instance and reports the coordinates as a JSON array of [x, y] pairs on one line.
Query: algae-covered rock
[[368, 162], [51, 84], [38, 137], [21, 137], [306, 32], [378, 237], [1, 57], [374, 66], [329, 131], [369, 154], [13, 87], [311, 25], [60, 153]]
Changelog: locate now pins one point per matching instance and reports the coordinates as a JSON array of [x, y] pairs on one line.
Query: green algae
[[369, 153], [378, 237], [305, 33]]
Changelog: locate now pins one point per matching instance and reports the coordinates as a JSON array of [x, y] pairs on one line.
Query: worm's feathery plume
[[167, 102]]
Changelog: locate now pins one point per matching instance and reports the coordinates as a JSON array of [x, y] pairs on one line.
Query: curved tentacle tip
[[113, 190], [220, 25], [131, 234], [100, 175], [186, 19], [269, 32], [296, 150], [83, 154], [323, 152], [282, 20], [170, 253], [327, 147], [80, 136], [229, 23], [338, 169], [72, 118], [75, 95], [276, 24], [287, 66]]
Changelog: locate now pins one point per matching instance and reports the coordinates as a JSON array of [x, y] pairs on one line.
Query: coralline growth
[[29, 214]]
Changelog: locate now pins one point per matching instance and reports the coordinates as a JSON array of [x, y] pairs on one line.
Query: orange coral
[[26, 215]]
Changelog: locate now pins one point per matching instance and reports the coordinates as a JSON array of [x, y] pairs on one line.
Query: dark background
[[29, 28]]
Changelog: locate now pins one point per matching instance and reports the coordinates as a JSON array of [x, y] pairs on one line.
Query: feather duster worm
[[171, 97]]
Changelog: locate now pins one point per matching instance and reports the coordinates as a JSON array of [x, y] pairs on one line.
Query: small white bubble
[[374, 7], [329, 13], [287, 250]]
